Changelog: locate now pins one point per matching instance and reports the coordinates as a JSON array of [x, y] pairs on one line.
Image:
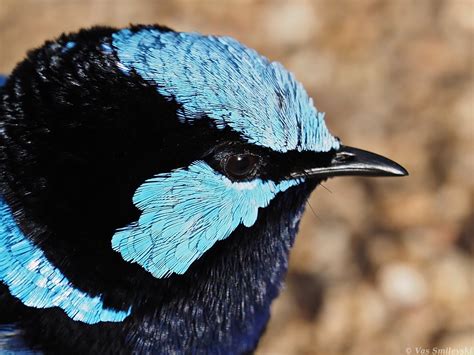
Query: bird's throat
[[223, 302]]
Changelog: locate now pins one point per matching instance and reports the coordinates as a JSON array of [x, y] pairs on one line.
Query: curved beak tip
[[362, 162], [399, 171], [351, 161]]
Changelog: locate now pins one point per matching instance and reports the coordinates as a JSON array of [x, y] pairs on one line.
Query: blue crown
[[219, 78]]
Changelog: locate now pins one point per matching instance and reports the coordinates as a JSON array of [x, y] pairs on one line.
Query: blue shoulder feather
[[30, 277]]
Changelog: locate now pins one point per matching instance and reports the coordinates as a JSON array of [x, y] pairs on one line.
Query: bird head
[[136, 154]]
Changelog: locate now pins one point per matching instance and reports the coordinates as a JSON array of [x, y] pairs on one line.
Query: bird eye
[[240, 166]]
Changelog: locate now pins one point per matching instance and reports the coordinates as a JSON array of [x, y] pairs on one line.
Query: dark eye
[[240, 166]]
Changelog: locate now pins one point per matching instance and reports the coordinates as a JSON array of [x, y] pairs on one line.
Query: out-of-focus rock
[[402, 285]]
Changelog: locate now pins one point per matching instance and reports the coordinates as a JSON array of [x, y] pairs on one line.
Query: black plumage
[[77, 138]]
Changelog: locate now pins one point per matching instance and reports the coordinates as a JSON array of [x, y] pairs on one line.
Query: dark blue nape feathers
[[151, 186]]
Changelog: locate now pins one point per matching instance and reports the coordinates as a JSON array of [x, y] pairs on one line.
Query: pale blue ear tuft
[[185, 212], [219, 78], [30, 277]]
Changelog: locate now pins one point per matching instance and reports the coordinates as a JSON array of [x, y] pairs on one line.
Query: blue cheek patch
[[31, 278], [185, 212], [233, 85]]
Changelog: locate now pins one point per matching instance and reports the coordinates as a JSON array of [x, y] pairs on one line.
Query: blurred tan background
[[385, 264]]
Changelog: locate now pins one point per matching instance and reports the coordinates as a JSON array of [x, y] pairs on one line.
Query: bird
[[151, 187]]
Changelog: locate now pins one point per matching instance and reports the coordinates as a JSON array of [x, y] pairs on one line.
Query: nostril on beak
[[342, 157]]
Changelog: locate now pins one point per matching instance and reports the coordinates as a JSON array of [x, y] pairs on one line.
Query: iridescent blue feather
[[219, 78], [185, 212], [30, 277]]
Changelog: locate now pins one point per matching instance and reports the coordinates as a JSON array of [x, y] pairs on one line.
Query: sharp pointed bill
[[204, 133], [185, 212], [354, 162]]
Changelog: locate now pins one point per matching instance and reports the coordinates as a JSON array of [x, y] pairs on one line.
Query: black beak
[[355, 162]]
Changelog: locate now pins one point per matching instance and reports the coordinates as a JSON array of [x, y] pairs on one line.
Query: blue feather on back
[[30, 277], [186, 211]]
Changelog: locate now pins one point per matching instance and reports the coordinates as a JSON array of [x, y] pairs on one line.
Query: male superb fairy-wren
[[151, 186]]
